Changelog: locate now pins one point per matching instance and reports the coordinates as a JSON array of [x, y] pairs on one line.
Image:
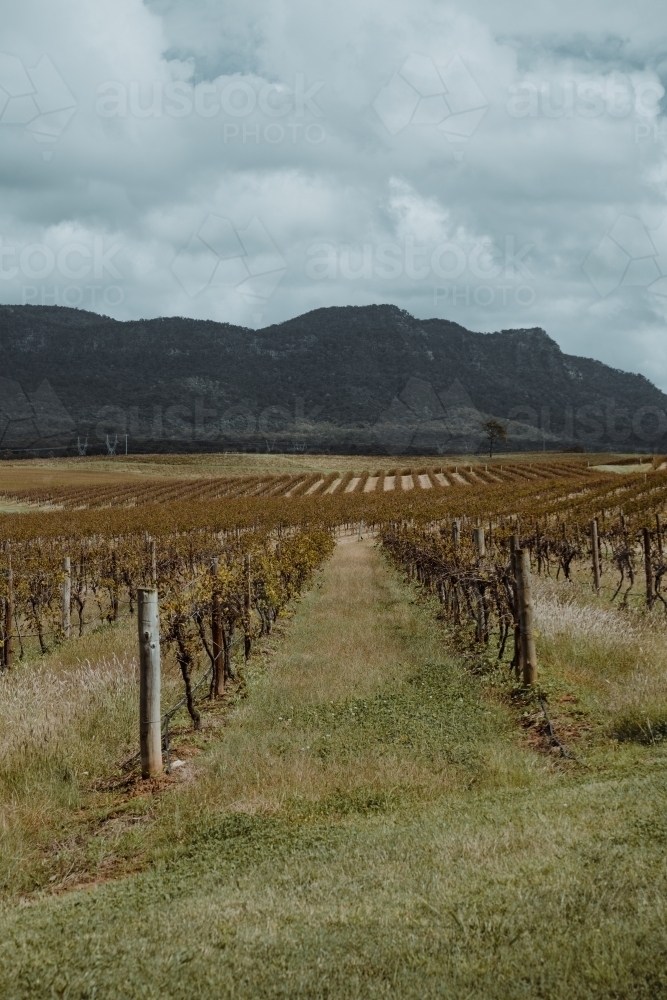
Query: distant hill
[[352, 379]]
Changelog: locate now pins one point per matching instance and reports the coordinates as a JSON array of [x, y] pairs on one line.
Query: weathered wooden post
[[8, 650], [246, 623], [150, 734], [528, 653], [218, 679], [595, 547], [456, 532], [517, 658], [658, 535], [66, 596], [153, 563], [480, 543], [648, 568], [218, 685], [114, 577], [538, 548]]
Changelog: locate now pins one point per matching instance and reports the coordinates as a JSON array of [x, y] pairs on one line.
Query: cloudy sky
[[495, 163]]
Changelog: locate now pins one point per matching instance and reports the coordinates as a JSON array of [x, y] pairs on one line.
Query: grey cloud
[[557, 178]]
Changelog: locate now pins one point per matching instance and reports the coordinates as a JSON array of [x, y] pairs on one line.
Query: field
[[365, 799]]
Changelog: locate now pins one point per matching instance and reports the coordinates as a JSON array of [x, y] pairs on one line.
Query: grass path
[[370, 826]]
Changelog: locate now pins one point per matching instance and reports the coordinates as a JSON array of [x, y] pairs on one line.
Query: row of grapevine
[[437, 477], [197, 553], [250, 576], [227, 513], [474, 570], [110, 556]]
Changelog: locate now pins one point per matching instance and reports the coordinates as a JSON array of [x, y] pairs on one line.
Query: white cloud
[[264, 110]]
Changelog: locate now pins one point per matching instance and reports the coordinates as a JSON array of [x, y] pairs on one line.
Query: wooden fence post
[[529, 655], [517, 659], [218, 679], [456, 532], [66, 595], [247, 639], [150, 729], [218, 685], [648, 569], [480, 542], [153, 563], [596, 554], [8, 650], [114, 577], [514, 545], [658, 535]]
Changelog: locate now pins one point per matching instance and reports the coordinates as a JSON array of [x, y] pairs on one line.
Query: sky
[[498, 164]]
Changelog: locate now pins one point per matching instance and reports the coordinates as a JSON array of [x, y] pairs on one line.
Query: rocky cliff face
[[360, 379]]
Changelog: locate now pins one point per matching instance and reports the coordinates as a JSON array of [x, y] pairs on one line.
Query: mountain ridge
[[334, 378]]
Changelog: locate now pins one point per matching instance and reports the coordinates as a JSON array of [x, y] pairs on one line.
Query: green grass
[[507, 894], [369, 823]]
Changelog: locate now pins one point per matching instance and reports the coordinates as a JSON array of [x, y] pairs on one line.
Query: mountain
[[354, 379]]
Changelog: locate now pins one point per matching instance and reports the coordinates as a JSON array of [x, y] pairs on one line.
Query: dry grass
[[35, 474], [65, 720], [614, 659]]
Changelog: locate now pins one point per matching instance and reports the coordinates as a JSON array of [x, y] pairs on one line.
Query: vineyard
[[228, 557], [210, 586], [190, 511], [473, 570], [430, 697], [289, 485], [112, 546]]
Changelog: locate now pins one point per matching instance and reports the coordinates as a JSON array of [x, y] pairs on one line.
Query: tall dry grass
[[616, 658], [65, 720]]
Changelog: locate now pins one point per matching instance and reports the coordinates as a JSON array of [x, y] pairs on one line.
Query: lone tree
[[495, 431]]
